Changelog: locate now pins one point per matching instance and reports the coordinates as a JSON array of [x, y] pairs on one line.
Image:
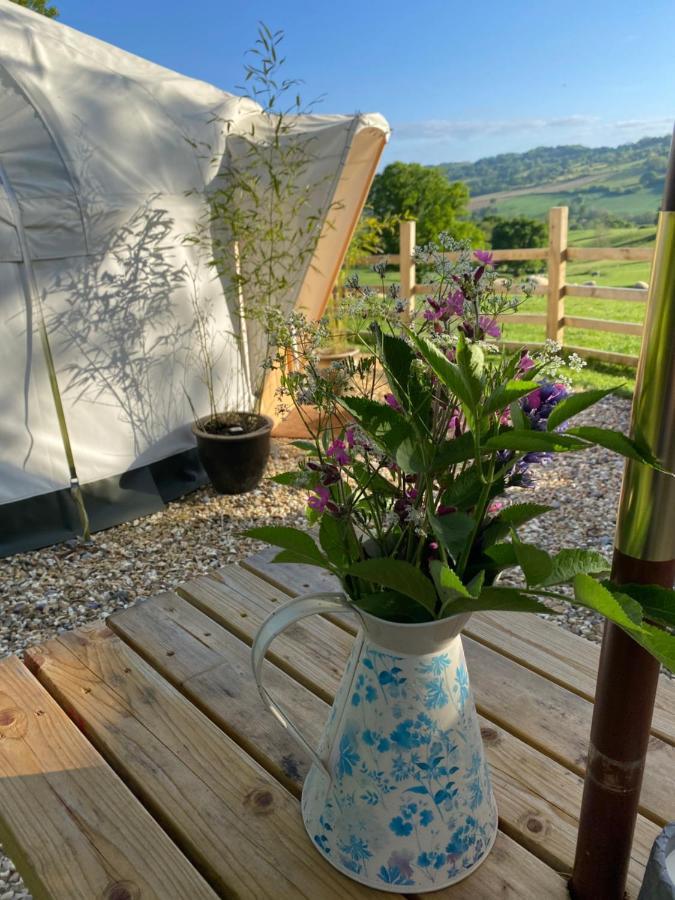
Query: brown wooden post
[[557, 266], [407, 229], [645, 554]]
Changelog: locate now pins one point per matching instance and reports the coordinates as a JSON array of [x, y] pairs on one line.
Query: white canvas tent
[[96, 167]]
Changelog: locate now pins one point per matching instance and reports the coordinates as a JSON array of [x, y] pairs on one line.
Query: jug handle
[[283, 617]]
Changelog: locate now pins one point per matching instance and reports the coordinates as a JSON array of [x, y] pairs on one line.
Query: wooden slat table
[[137, 761]]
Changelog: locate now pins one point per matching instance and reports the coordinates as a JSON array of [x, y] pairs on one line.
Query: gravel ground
[[65, 586]]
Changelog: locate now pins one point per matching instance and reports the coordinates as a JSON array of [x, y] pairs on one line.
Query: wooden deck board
[[73, 829], [232, 819]]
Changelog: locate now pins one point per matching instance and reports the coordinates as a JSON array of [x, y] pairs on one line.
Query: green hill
[[624, 182]]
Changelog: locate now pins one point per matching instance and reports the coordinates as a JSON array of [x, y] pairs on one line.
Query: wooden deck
[[137, 761]]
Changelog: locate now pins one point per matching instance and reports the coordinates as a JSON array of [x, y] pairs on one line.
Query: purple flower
[[319, 499], [489, 326], [486, 325], [483, 256], [390, 400], [339, 453], [455, 303], [349, 437], [539, 404], [455, 423], [329, 474], [532, 401], [526, 363]]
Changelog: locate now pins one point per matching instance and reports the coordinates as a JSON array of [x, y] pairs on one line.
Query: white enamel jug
[[399, 795]]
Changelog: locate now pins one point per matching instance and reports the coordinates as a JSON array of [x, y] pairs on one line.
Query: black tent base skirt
[[53, 518]]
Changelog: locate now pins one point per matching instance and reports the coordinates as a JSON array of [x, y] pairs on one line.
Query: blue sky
[[456, 80]]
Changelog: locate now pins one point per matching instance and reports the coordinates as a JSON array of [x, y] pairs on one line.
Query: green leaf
[[503, 556], [575, 404], [297, 542], [387, 427], [519, 513], [393, 606], [527, 441], [536, 564], [627, 613], [518, 417], [414, 455], [457, 450], [334, 537], [658, 603], [568, 563], [471, 361], [506, 394], [619, 608], [659, 643], [463, 491], [475, 586], [448, 583], [363, 475], [496, 599], [398, 575], [304, 445], [296, 478], [448, 373], [398, 358], [453, 531], [616, 441]]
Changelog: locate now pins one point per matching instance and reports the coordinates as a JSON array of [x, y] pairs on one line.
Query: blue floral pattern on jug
[[409, 804]]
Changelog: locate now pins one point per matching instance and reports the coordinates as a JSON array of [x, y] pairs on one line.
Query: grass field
[[606, 273]]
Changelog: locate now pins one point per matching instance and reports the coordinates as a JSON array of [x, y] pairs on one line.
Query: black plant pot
[[234, 453]]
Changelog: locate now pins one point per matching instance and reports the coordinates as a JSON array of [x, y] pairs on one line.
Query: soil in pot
[[234, 449]]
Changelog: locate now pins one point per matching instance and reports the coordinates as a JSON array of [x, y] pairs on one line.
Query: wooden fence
[[557, 254]]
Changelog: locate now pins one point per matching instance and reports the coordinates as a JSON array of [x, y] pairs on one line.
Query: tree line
[[413, 191]]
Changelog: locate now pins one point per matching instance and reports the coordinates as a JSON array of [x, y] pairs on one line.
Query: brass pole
[[644, 554]]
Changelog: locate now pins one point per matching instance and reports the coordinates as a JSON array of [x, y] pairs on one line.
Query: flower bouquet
[[417, 445], [418, 450]]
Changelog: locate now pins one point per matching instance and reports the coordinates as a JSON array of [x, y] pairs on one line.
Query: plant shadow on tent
[[117, 325]]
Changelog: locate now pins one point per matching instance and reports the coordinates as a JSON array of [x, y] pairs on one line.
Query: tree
[[516, 233], [39, 6], [414, 191]]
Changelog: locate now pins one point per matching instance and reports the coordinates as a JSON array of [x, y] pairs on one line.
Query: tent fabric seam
[[63, 155]]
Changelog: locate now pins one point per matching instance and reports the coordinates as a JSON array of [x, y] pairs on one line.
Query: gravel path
[[65, 586]]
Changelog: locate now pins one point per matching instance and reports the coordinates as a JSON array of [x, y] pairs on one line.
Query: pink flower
[[534, 399], [319, 499], [483, 256], [494, 507], [455, 423], [390, 400], [489, 326], [455, 303], [339, 453], [526, 363]]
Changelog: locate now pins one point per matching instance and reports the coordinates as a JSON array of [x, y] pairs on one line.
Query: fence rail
[[557, 254]]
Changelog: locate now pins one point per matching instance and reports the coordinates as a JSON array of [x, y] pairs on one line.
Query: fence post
[[406, 245], [557, 265]]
